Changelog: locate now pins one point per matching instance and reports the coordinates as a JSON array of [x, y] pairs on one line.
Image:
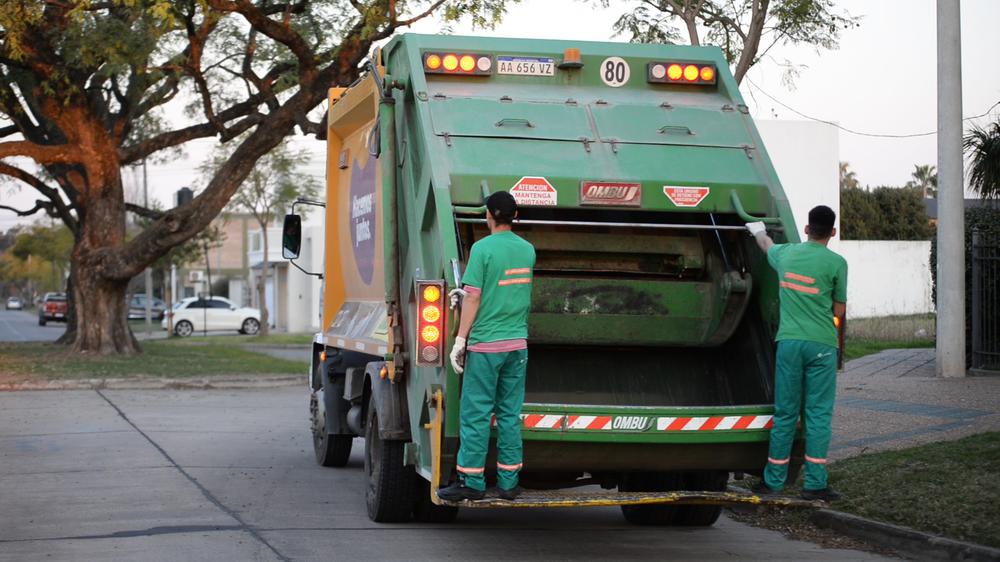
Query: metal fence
[[985, 302]]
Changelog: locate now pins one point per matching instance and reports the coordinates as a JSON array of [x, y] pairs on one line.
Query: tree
[[982, 148], [745, 30], [848, 178], [87, 87], [884, 213], [925, 180], [275, 182]]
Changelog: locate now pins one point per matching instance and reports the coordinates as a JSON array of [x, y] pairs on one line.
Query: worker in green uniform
[[813, 286], [494, 324]]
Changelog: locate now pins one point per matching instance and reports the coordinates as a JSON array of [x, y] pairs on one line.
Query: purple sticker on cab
[[363, 207]]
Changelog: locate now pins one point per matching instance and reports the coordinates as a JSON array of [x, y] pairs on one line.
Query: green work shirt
[[811, 277], [500, 266]]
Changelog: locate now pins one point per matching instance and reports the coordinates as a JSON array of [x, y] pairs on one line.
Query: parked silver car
[[15, 303]]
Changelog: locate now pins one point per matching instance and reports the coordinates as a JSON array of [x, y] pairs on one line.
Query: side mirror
[[291, 237]]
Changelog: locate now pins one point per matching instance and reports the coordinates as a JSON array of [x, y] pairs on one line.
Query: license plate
[[526, 66], [59, 315]]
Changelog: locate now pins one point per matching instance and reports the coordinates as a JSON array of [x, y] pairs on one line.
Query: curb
[[203, 383], [915, 544]]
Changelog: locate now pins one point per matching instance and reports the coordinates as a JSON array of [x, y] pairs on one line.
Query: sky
[[881, 80]]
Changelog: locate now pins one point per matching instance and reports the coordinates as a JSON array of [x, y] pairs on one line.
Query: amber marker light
[[431, 313], [707, 74], [431, 293], [430, 334], [690, 73], [450, 62], [467, 63], [674, 72], [433, 62]]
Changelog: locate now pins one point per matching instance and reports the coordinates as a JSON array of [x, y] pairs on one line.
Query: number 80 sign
[[614, 71]]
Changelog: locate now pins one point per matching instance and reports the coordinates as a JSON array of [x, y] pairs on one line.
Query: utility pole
[[149, 272], [951, 194]]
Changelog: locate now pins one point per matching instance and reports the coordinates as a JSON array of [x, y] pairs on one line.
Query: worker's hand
[[458, 355], [455, 297], [756, 228]]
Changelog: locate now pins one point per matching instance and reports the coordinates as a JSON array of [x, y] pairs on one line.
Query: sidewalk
[[892, 400]]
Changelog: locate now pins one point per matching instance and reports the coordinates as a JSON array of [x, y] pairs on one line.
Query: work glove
[[756, 228], [455, 297], [458, 355]]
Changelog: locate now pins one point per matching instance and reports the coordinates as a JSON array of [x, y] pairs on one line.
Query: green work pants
[[805, 381], [493, 383]]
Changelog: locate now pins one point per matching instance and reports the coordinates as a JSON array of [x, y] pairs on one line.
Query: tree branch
[[39, 206], [43, 154], [143, 211]]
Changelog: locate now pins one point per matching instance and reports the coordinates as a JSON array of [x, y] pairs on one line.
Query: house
[[291, 296]]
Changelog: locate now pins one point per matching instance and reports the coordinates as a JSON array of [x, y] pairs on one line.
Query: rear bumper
[[610, 424]]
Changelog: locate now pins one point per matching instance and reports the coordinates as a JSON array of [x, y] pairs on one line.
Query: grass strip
[[855, 348], [48, 361], [946, 488]]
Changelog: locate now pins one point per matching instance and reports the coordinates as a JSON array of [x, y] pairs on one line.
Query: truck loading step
[[577, 498]]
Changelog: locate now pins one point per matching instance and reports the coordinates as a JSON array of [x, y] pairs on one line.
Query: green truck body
[[653, 313]]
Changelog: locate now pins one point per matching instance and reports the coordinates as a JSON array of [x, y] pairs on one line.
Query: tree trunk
[[69, 336], [102, 303], [265, 323], [99, 292]]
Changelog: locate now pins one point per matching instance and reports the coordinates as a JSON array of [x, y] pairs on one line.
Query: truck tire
[[650, 482], [701, 515], [424, 510], [331, 450], [389, 491]]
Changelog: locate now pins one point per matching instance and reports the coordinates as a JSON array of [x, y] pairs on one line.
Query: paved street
[[22, 325], [229, 475]]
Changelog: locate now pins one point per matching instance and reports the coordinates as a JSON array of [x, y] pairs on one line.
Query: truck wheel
[[424, 510], [331, 450], [389, 493], [649, 482], [702, 515]]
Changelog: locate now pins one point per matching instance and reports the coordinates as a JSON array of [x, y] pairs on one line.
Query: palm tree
[[982, 148], [848, 178], [925, 178]]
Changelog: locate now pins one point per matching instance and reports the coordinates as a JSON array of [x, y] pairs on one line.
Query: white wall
[[887, 277], [303, 290], [806, 155]]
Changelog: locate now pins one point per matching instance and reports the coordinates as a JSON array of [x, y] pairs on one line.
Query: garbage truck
[[651, 354]]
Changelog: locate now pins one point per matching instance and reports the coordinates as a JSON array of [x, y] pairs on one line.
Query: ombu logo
[[614, 193], [632, 423]]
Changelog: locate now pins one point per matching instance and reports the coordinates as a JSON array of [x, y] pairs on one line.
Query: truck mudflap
[[584, 498]]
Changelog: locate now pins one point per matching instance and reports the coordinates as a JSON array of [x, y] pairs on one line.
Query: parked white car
[[194, 314]]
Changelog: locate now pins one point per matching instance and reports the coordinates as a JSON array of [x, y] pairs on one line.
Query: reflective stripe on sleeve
[[473, 290], [777, 461]]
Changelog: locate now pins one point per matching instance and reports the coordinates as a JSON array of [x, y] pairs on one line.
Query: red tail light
[[677, 72], [430, 323]]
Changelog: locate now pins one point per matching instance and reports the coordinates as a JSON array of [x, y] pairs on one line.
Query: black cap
[[502, 207]]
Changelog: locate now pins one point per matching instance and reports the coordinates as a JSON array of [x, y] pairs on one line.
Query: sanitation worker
[[494, 326], [813, 285]]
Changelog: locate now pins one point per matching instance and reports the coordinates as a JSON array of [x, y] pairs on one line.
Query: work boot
[[459, 491], [511, 494], [762, 489], [826, 494]]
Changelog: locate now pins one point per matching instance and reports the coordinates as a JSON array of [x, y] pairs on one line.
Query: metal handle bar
[[675, 128], [614, 224], [514, 121]]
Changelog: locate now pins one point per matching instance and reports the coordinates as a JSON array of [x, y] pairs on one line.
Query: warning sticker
[[685, 196], [533, 191]]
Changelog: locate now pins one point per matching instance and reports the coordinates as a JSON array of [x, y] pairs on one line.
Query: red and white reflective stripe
[[814, 460], [467, 470], [517, 466], [588, 422], [518, 271], [777, 461], [803, 278], [799, 288], [714, 423], [539, 421]]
